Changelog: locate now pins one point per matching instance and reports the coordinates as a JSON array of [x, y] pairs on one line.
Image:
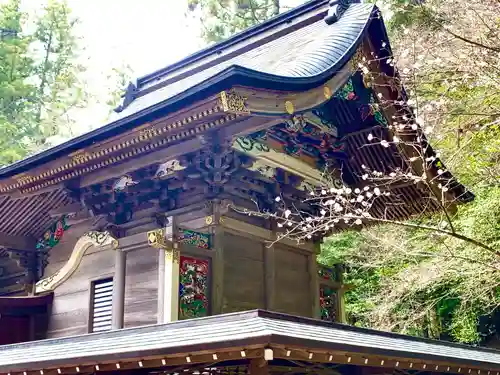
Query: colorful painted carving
[[53, 235], [328, 303], [368, 107], [189, 237], [327, 273], [193, 287], [346, 92]]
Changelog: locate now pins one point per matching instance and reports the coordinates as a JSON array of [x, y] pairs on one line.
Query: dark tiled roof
[[302, 53], [293, 51], [224, 331]]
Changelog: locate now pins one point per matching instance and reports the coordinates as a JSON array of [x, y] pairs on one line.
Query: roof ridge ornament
[[337, 9], [128, 97]]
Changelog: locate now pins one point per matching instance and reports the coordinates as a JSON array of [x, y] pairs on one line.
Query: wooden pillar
[[270, 271], [161, 286], [168, 271], [217, 233], [119, 290], [314, 284], [171, 286], [171, 256]]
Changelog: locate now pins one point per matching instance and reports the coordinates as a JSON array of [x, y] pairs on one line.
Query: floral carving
[[53, 235], [189, 237], [193, 287]]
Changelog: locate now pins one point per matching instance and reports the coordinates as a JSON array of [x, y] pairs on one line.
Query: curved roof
[[295, 51], [301, 58]]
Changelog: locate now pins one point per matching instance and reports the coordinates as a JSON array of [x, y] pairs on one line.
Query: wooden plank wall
[[292, 294], [243, 274], [70, 309], [141, 287], [245, 278]]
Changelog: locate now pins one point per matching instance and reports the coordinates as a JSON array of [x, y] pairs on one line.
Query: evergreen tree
[[17, 93], [222, 18], [41, 78]]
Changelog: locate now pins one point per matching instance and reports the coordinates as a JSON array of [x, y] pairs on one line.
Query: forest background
[[402, 279]]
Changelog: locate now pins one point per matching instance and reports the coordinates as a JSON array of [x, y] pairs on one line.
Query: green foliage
[[117, 81], [423, 282], [16, 93], [56, 71], [222, 18], [40, 78]]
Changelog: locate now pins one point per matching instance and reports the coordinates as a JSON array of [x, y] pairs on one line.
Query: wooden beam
[[22, 194], [155, 157], [25, 243], [265, 234]]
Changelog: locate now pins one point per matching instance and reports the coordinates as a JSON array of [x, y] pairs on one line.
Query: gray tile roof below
[[224, 330]]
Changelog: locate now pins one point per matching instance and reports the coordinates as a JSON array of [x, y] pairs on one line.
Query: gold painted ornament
[[327, 92]]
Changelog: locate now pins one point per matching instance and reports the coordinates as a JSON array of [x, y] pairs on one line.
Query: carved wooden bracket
[[93, 238]]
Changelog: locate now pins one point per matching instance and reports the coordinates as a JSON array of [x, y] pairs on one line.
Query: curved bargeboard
[[93, 238]]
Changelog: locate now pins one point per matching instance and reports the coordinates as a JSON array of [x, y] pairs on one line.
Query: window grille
[[101, 305]]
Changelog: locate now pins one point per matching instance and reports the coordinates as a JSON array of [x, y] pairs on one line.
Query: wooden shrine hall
[[127, 249]]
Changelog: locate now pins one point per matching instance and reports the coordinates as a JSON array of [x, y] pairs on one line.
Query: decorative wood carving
[[193, 287], [168, 169], [88, 240], [232, 102], [270, 157], [78, 163], [123, 182]]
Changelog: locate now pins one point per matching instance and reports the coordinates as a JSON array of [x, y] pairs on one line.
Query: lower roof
[[243, 330]]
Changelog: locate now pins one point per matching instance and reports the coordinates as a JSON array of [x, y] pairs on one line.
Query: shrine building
[[128, 249]]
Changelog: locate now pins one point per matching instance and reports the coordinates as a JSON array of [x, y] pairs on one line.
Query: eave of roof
[[233, 75], [238, 329]]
